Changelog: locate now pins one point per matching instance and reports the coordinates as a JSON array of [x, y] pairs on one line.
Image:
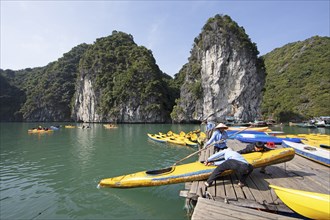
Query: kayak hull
[[308, 204], [263, 129], [157, 138], [39, 131], [192, 171], [313, 153], [267, 138]]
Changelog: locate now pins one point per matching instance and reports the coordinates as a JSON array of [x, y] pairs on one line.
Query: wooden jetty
[[226, 200]]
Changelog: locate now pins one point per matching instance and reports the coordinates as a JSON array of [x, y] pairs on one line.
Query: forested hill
[[298, 80], [111, 80], [116, 80], [42, 93]]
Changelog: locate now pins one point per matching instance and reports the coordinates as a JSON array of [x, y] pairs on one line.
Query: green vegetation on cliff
[[124, 72], [298, 80], [47, 92]]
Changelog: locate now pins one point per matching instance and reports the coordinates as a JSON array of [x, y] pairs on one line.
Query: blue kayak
[[232, 136], [251, 138]]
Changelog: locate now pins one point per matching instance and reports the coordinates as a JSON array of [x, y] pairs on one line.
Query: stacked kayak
[[315, 140], [157, 138], [192, 171], [178, 139], [313, 153], [308, 204], [251, 138]]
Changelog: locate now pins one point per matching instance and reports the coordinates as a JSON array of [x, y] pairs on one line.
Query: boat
[[263, 129], [308, 204], [55, 128], [192, 171], [172, 138], [190, 143], [316, 154], [317, 140], [110, 126], [157, 137], [84, 127], [38, 131], [175, 140], [259, 123], [306, 125], [70, 126], [251, 138], [233, 134]]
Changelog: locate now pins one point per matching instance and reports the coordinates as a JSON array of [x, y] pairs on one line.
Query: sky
[[35, 33]]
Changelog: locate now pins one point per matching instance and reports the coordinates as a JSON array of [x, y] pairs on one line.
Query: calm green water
[[55, 176]]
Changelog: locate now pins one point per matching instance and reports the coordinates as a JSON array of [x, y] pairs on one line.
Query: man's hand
[[206, 163]]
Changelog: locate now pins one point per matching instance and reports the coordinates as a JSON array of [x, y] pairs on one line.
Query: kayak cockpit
[[160, 171]]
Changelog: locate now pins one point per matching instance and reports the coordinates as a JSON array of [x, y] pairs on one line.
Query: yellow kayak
[[181, 141], [178, 140], [39, 131], [308, 204], [70, 126], [175, 140], [110, 126], [315, 140], [157, 137], [192, 171]]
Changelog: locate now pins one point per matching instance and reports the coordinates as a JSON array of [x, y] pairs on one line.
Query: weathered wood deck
[[225, 200]]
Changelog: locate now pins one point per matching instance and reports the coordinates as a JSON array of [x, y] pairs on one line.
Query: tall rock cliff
[[120, 81], [224, 76]]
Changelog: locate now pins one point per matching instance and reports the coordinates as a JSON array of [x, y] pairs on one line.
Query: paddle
[[218, 142], [171, 169]]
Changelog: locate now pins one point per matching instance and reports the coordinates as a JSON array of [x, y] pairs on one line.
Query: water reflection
[[83, 145]]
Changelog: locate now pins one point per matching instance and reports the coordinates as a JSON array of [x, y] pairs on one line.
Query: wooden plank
[[230, 192], [187, 185], [246, 190], [257, 194], [238, 190], [202, 156], [212, 190], [236, 145], [288, 179], [253, 204], [201, 189], [194, 188], [209, 209], [220, 188], [298, 173], [261, 191], [317, 179]]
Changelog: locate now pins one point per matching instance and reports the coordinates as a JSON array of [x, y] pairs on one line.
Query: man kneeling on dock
[[228, 160]]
